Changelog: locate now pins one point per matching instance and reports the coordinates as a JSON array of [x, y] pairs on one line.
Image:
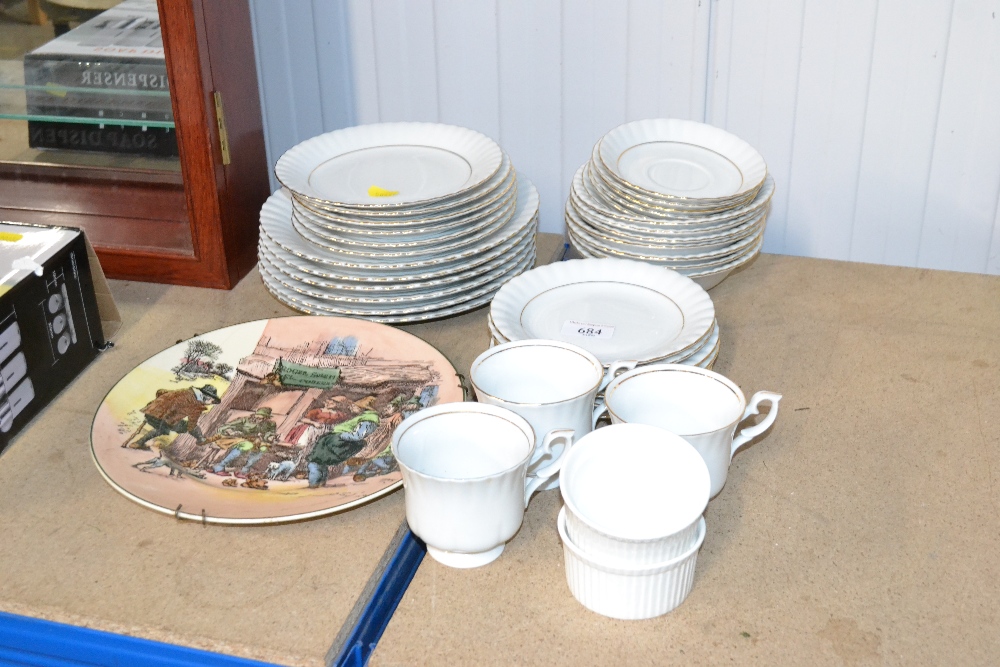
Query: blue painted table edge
[[41, 643], [32, 642]]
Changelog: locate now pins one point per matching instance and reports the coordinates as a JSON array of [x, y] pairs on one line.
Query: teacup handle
[[540, 477], [615, 369], [599, 409], [751, 432]]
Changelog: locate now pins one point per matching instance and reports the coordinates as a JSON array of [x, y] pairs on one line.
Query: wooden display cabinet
[[196, 222]]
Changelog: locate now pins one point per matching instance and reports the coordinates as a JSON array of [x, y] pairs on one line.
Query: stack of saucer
[[616, 309], [675, 193], [396, 222]]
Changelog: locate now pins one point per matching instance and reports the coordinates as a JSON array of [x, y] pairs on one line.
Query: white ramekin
[[628, 593], [628, 553], [634, 494]]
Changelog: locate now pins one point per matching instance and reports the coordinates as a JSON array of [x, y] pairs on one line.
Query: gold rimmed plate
[[389, 165], [614, 308], [681, 160]]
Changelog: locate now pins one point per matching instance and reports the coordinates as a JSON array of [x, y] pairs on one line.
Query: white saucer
[[615, 309], [670, 158]]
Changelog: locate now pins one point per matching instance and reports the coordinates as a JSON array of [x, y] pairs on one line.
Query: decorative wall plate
[[268, 421]]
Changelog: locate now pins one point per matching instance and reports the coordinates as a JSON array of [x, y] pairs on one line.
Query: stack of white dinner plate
[[396, 222], [616, 309], [675, 193]]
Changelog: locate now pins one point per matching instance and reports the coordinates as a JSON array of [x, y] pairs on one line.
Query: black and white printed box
[[56, 315]]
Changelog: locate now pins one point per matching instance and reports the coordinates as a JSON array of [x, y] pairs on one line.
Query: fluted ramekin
[[628, 593]]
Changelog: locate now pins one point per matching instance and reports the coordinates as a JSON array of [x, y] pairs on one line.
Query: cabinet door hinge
[[221, 120]]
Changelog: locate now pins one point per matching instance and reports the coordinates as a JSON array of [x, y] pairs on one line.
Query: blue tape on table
[[399, 570], [32, 642]]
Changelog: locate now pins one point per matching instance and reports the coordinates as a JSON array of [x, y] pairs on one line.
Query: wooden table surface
[[863, 529]]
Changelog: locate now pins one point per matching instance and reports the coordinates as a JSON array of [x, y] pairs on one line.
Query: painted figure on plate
[[249, 436], [173, 411], [312, 415]]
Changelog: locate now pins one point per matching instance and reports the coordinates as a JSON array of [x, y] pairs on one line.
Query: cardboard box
[[56, 316]]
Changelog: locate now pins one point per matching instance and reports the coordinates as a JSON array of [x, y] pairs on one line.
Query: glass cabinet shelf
[[91, 106], [116, 125]]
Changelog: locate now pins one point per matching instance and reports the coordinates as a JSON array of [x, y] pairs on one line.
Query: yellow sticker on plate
[[376, 191], [11, 236]]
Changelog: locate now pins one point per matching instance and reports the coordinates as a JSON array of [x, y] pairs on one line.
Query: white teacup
[[699, 405], [550, 383], [464, 469]]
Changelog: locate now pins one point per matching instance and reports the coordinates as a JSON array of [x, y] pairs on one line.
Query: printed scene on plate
[[304, 416]]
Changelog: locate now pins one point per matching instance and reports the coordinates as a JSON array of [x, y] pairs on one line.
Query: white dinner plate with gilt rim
[[681, 159], [705, 354], [614, 308], [709, 347], [423, 248], [710, 338], [478, 199], [698, 351], [339, 239], [307, 285], [280, 369], [276, 222], [310, 306], [455, 281], [427, 228], [302, 307], [709, 362], [383, 280], [319, 274], [389, 165], [702, 360], [355, 308], [664, 221]]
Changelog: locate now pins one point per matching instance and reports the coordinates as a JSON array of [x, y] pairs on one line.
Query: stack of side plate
[[616, 309], [396, 222], [676, 193]]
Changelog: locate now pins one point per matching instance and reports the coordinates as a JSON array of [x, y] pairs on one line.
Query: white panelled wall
[[879, 119]]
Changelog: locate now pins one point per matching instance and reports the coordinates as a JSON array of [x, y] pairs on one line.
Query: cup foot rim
[[465, 561]]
